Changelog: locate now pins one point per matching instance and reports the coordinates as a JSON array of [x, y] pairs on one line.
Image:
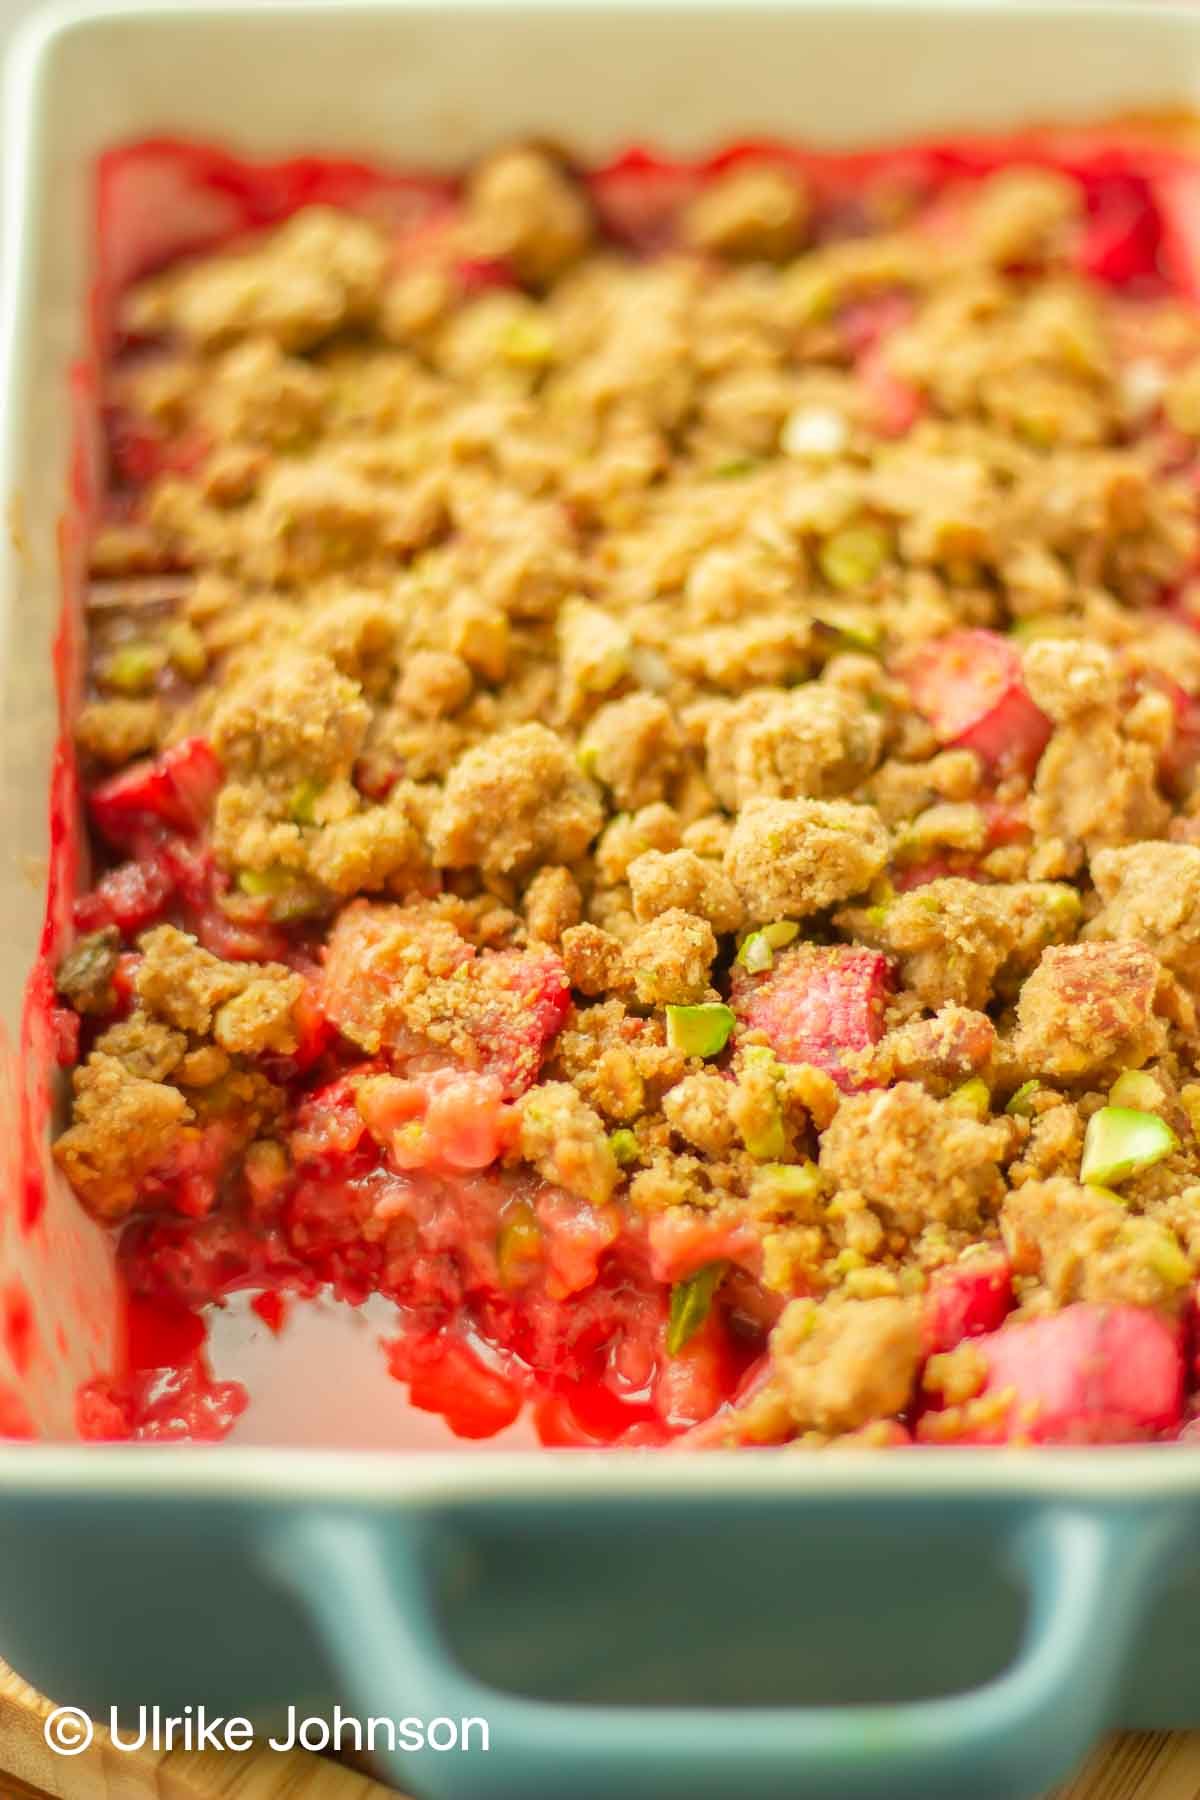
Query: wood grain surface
[[1136, 1765], [29, 1768]]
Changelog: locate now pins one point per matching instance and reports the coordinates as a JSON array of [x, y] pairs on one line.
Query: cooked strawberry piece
[[484, 274], [1182, 752], [683, 1239], [190, 1173], [237, 940], [448, 1119], [522, 997], [140, 450], [329, 1126], [699, 1378], [816, 1004], [894, 405], [64, 1035], [640, 199], [495, 1011], [1086, 1375], [175, 790], [575, 1236], [131, 896], [865, 323], [1121, 241], [935, 868], [967, 1300], [445, 1376], [969, 686]]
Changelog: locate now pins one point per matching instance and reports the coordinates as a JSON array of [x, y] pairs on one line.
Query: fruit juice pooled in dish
[[642, 747]]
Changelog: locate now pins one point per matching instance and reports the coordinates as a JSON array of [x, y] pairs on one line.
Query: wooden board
[[1145, 1765]]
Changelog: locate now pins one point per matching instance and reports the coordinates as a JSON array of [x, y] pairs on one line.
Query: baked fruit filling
[[642, 746]]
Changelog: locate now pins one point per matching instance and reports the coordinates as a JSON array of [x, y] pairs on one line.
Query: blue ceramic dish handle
[[368, 1584]]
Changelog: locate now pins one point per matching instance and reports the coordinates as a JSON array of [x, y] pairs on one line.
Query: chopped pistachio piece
[[855, 631], [133, 668], [528, 342], [1168, 1260], [973, 1096], [765, 1139], [690, 1303], [262, 884], [84, 976], [699, 1030], [1021, 1105], [791, 1183], [624, 1146], [302, 801], [853, 557], [1137, 1089], [758, 950], [185, 650], [1120, 1142]]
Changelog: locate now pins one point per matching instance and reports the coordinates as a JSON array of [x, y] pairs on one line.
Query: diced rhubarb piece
[[1086, 1375], [966, 1300], [969, 686], [496, 1010], [816, 1004], [174, 791], [1176, 194]]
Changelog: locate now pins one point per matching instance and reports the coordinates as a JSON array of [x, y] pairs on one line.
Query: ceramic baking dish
[[655, 1624]]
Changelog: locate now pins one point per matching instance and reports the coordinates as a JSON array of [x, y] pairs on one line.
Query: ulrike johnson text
[[196, 1729]]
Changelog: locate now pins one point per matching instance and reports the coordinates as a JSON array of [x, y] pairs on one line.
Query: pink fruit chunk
[[1177, 197], [174, 791], [816, 1004], [1122, 239], [523, 997], [969, 686], [683, 1238], [1086, 1375], [966, 1300]]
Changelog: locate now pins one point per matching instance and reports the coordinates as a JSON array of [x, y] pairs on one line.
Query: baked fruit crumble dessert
[[642, 746]]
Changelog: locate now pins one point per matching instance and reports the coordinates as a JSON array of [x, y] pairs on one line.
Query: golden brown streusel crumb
[[791, 858], [513, 802], [670, 958]]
